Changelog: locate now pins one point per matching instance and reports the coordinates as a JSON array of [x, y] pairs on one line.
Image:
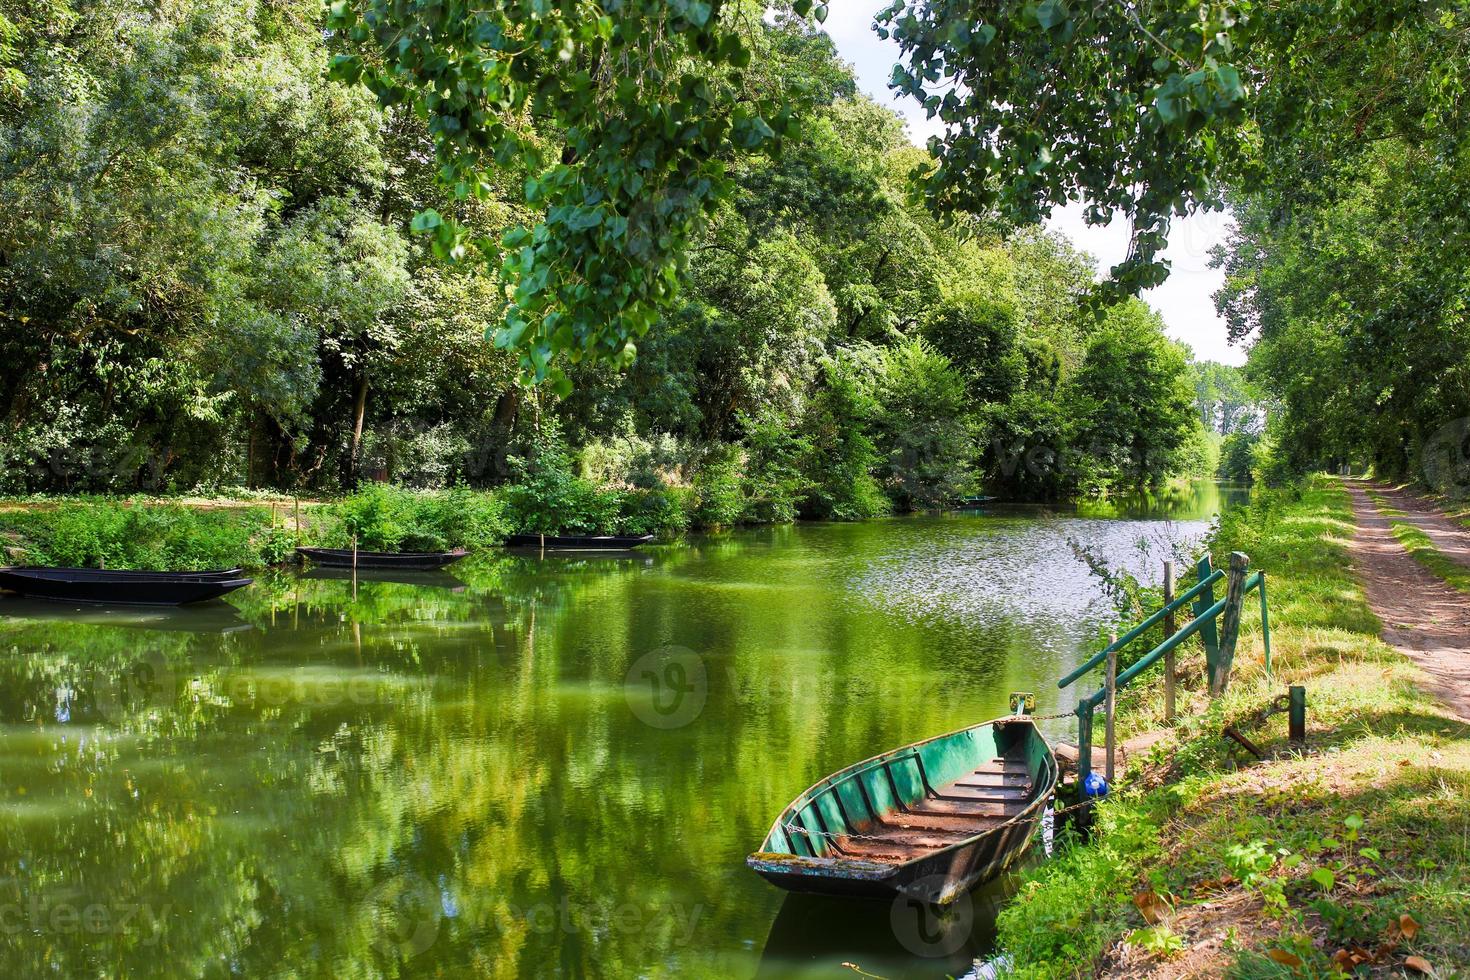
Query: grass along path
[[1430, 535], [1422, 616], [1352, 855], [1421, 547]]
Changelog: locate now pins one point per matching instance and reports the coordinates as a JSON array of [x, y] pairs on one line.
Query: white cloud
[[1185, 300]]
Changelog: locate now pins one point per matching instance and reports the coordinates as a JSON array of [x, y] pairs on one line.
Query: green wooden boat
[[928, 821]]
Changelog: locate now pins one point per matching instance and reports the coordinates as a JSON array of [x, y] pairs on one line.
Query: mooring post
[[1230, 628], [1209, 637], [1297, 717], [1084, 745], [1169, 628], [1110, 698]]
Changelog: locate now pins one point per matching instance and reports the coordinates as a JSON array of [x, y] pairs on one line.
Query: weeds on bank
[[1347, 859], [134, 534]]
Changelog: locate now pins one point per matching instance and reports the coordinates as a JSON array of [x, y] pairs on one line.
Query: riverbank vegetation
[[228, 293], [1208, 862]]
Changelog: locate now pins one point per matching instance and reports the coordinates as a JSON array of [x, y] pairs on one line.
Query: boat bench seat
[[971, 805]]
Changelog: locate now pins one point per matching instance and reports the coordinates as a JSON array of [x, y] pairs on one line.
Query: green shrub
[[381, 517], [136, 534], [1237, 456], [926, 431], [840, 466], [773, 477], [719, 489], [665, 512]]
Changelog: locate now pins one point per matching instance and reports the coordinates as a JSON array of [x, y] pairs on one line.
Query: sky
[[1185, 300]]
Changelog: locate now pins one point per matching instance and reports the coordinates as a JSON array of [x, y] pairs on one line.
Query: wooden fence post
[[1109, 708], [1170, 627], [1230, 628]]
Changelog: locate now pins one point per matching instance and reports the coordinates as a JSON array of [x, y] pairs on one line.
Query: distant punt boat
[[928, 821], [578, 542], [132, 588], [970, 502], [347, 558]]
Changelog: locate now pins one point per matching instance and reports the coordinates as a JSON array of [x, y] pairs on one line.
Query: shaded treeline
[[207, 279]]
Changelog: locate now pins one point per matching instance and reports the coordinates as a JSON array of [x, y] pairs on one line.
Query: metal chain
[[790, 829], [1068, 809]]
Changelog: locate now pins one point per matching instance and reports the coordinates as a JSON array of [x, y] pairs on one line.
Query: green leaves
[[642, 160], [1051, 14], [1058, 118]]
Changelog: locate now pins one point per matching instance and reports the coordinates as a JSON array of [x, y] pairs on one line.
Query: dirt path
[[1422, 616], [1449, 536]]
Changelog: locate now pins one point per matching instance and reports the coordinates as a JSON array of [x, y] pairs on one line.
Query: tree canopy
[[209, 273]]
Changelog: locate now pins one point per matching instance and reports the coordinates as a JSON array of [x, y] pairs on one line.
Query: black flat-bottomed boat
[[928, 821], [405, 560], [122, 587], [578, 542]]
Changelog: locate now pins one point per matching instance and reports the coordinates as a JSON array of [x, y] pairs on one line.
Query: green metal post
[[1297, 719], [1208, 634], [1265, 627]]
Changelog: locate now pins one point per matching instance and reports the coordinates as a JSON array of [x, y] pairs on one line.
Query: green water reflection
[[524, 768]]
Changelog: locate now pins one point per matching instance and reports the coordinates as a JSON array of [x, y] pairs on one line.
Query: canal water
[[526, 767]]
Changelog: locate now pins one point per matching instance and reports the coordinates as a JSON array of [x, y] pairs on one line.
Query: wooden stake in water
[[354, 568], [1170, 627], [1110, 707], [296, 511]]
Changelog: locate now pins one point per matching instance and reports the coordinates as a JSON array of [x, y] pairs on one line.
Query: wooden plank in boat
[[965, 823], [978, 808]]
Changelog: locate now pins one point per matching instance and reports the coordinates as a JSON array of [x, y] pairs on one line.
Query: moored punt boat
[[410, 560], [969, 503], [929, 821], [133, 588], [578, 542]]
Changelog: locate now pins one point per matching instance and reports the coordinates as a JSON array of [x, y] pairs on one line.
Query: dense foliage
[[143, 534], [208, 275], [1337, 132]]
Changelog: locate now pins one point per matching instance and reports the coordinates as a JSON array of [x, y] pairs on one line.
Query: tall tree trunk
[[358, 413], [250, 451]]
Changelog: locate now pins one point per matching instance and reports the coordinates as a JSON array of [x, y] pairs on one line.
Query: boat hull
[[929, 821], [406, 560], [935, 880], [578, 542], [130, 588]]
